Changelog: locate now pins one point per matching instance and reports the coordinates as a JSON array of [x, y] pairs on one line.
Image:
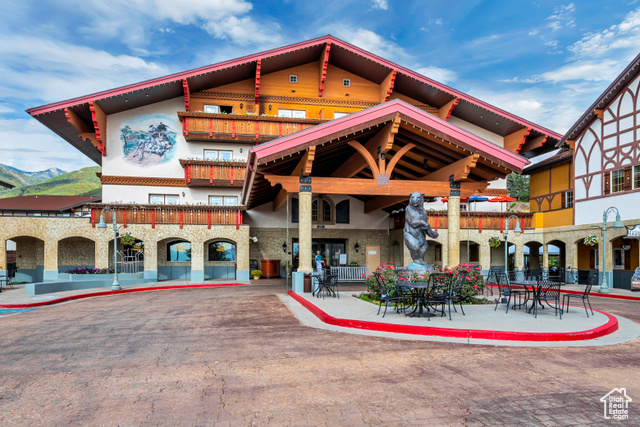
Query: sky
[[545, 61]]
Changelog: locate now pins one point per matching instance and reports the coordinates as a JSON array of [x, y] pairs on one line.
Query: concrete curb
[[123, 291], [606, 329]]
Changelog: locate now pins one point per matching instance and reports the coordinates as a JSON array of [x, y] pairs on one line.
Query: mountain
[[82, 182], [19, 177]]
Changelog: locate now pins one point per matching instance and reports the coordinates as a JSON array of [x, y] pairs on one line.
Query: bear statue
[[416, 227]]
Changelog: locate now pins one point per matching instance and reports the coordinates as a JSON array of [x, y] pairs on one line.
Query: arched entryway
[[433, 256], [557, 256], [533, 259], [624, 261], [174, 259], [588, 260], [76, 252], [29, 259], [220, 259], [469, 252]]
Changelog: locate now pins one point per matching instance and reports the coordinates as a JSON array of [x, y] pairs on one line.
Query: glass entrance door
[[330, 249]]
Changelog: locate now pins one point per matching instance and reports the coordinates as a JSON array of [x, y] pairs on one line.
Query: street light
[[506, 241], [116, 285], [604, 287]]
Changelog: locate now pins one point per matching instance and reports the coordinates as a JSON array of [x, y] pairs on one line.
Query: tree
[[518, 186]]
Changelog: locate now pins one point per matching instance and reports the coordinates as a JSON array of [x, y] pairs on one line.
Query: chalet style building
[[311, 146]]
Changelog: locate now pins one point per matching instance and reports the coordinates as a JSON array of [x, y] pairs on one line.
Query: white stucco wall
[[477, 131], [140, 194], [590, 211]]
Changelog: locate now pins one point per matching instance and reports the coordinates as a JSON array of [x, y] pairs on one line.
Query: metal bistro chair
[[439, 292], [584, 297], [388, 294], [455, 295], [328, 283], [550, 292]]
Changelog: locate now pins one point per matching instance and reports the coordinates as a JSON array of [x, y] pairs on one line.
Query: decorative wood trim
[[187, 93], [599, 114], [248, 117], [257, 94], [534, 143], [85, 131], [386, 87], [323, 64], [304, 166], [460, 170], [307, 160], [366, 155], [144, 181], [99, 119], [445, 111], [397, 157], [494, 192], [515, 141], [185, 162]]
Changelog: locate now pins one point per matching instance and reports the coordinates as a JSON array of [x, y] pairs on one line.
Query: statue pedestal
[[420, 268]]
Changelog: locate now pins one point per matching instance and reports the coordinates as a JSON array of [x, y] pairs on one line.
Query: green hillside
[[17, 178], [83, 182]]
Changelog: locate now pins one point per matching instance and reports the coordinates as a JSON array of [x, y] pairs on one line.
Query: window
[[222, 251], [294, 210], [293, 78], [337, 115], [568, 199], [617, 180], [218, 109], [223, 201], [618, 258], [321, 211], [342, 212], [34, 213], [218, 155], [292, 114], [164, 199], [346, 82], [179, 251], [636, 177]]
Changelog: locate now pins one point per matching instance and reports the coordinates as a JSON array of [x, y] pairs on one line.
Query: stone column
[[453, 227], [102, 254], [150, 260], [3, 255], [50, 260], [197, 260], [304, 224], [485, 255], [519, 254], [545, 256]]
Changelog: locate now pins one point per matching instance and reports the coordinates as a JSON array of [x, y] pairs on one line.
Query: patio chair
[[510, 290], [388, 294], [327, 283], [439, 292], [550, 292], [566, 299], [455, 295]]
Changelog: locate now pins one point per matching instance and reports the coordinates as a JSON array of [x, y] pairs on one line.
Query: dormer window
[[293, 78], [346, 82]]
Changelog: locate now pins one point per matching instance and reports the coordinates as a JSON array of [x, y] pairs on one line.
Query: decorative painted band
[[123, 291], [606, 329]]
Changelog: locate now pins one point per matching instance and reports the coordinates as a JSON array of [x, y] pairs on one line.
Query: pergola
[[379, 155]]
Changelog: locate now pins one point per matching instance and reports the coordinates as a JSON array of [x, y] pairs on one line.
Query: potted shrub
[[256, 274], [591, 240], [495, 242]]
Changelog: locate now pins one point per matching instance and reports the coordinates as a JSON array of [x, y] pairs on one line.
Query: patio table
[[535, 287], [420, 295]]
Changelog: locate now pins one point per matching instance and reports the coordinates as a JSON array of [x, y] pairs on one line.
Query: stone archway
[[30, 254], [220, 259], [76, 252], [174, 258]]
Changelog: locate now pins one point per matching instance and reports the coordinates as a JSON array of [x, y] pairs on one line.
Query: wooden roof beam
[[323, 64], [534, 143], [85, 131], [187, 94], [460, 170], [445, 111], [99, 119], [370, 187], [386, 87], [514, 142], [303, 168]]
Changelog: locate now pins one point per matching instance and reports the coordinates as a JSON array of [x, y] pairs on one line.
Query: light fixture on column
[[357, 247], [241, 105], [284, 247], [604, 287], [116, 285], [506, 240]]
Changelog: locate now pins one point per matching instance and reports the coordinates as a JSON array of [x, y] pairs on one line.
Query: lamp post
[[506, 241], [116, 285], [604, 287]]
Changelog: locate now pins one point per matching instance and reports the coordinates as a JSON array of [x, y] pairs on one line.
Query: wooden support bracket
[[386, 87], [323, 64], [303, 168], [514, 142], [534, 143], [85, 131], [187, 93], [445, 111], [257, 95], [99, 119]]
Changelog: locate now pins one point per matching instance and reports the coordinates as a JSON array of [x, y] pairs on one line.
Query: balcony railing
[[240, 127], [216, 173], [169, 214], [474, 220]]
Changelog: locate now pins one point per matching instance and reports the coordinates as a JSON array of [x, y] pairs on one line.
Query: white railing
[[350, 274], [130, 263]]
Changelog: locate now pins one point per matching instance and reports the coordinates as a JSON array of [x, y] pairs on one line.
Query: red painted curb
[[593, 294], [606, 329], [123, 291]]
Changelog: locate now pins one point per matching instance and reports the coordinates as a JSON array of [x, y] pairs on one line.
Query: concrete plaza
[[238, 356]]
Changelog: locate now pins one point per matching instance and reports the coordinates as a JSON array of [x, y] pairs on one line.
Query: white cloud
[[442, 75], [563, 16], [605, 70], [380, 4], [369, 41], [623, 37]]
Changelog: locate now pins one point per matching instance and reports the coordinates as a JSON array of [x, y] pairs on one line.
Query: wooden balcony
[[127, 214], [240, 127], [213, 173], [474, 220]]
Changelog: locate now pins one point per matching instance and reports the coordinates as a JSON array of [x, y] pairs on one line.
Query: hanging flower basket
[[495, 242], [591, 240]]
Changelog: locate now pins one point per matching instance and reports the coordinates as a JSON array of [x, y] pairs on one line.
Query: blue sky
[[546, 61]]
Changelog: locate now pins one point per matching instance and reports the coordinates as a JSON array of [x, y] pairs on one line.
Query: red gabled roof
[[174, 78], [46, 203]]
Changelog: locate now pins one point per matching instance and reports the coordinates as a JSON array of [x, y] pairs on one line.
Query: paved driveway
[[237, 356]]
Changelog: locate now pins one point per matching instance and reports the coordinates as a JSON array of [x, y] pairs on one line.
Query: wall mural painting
[[147, 140]]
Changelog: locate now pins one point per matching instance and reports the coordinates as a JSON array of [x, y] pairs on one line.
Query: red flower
[[362, 274]]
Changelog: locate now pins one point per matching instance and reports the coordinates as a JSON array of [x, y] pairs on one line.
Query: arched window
[[222, 251], [322, 211], [179, 251]]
